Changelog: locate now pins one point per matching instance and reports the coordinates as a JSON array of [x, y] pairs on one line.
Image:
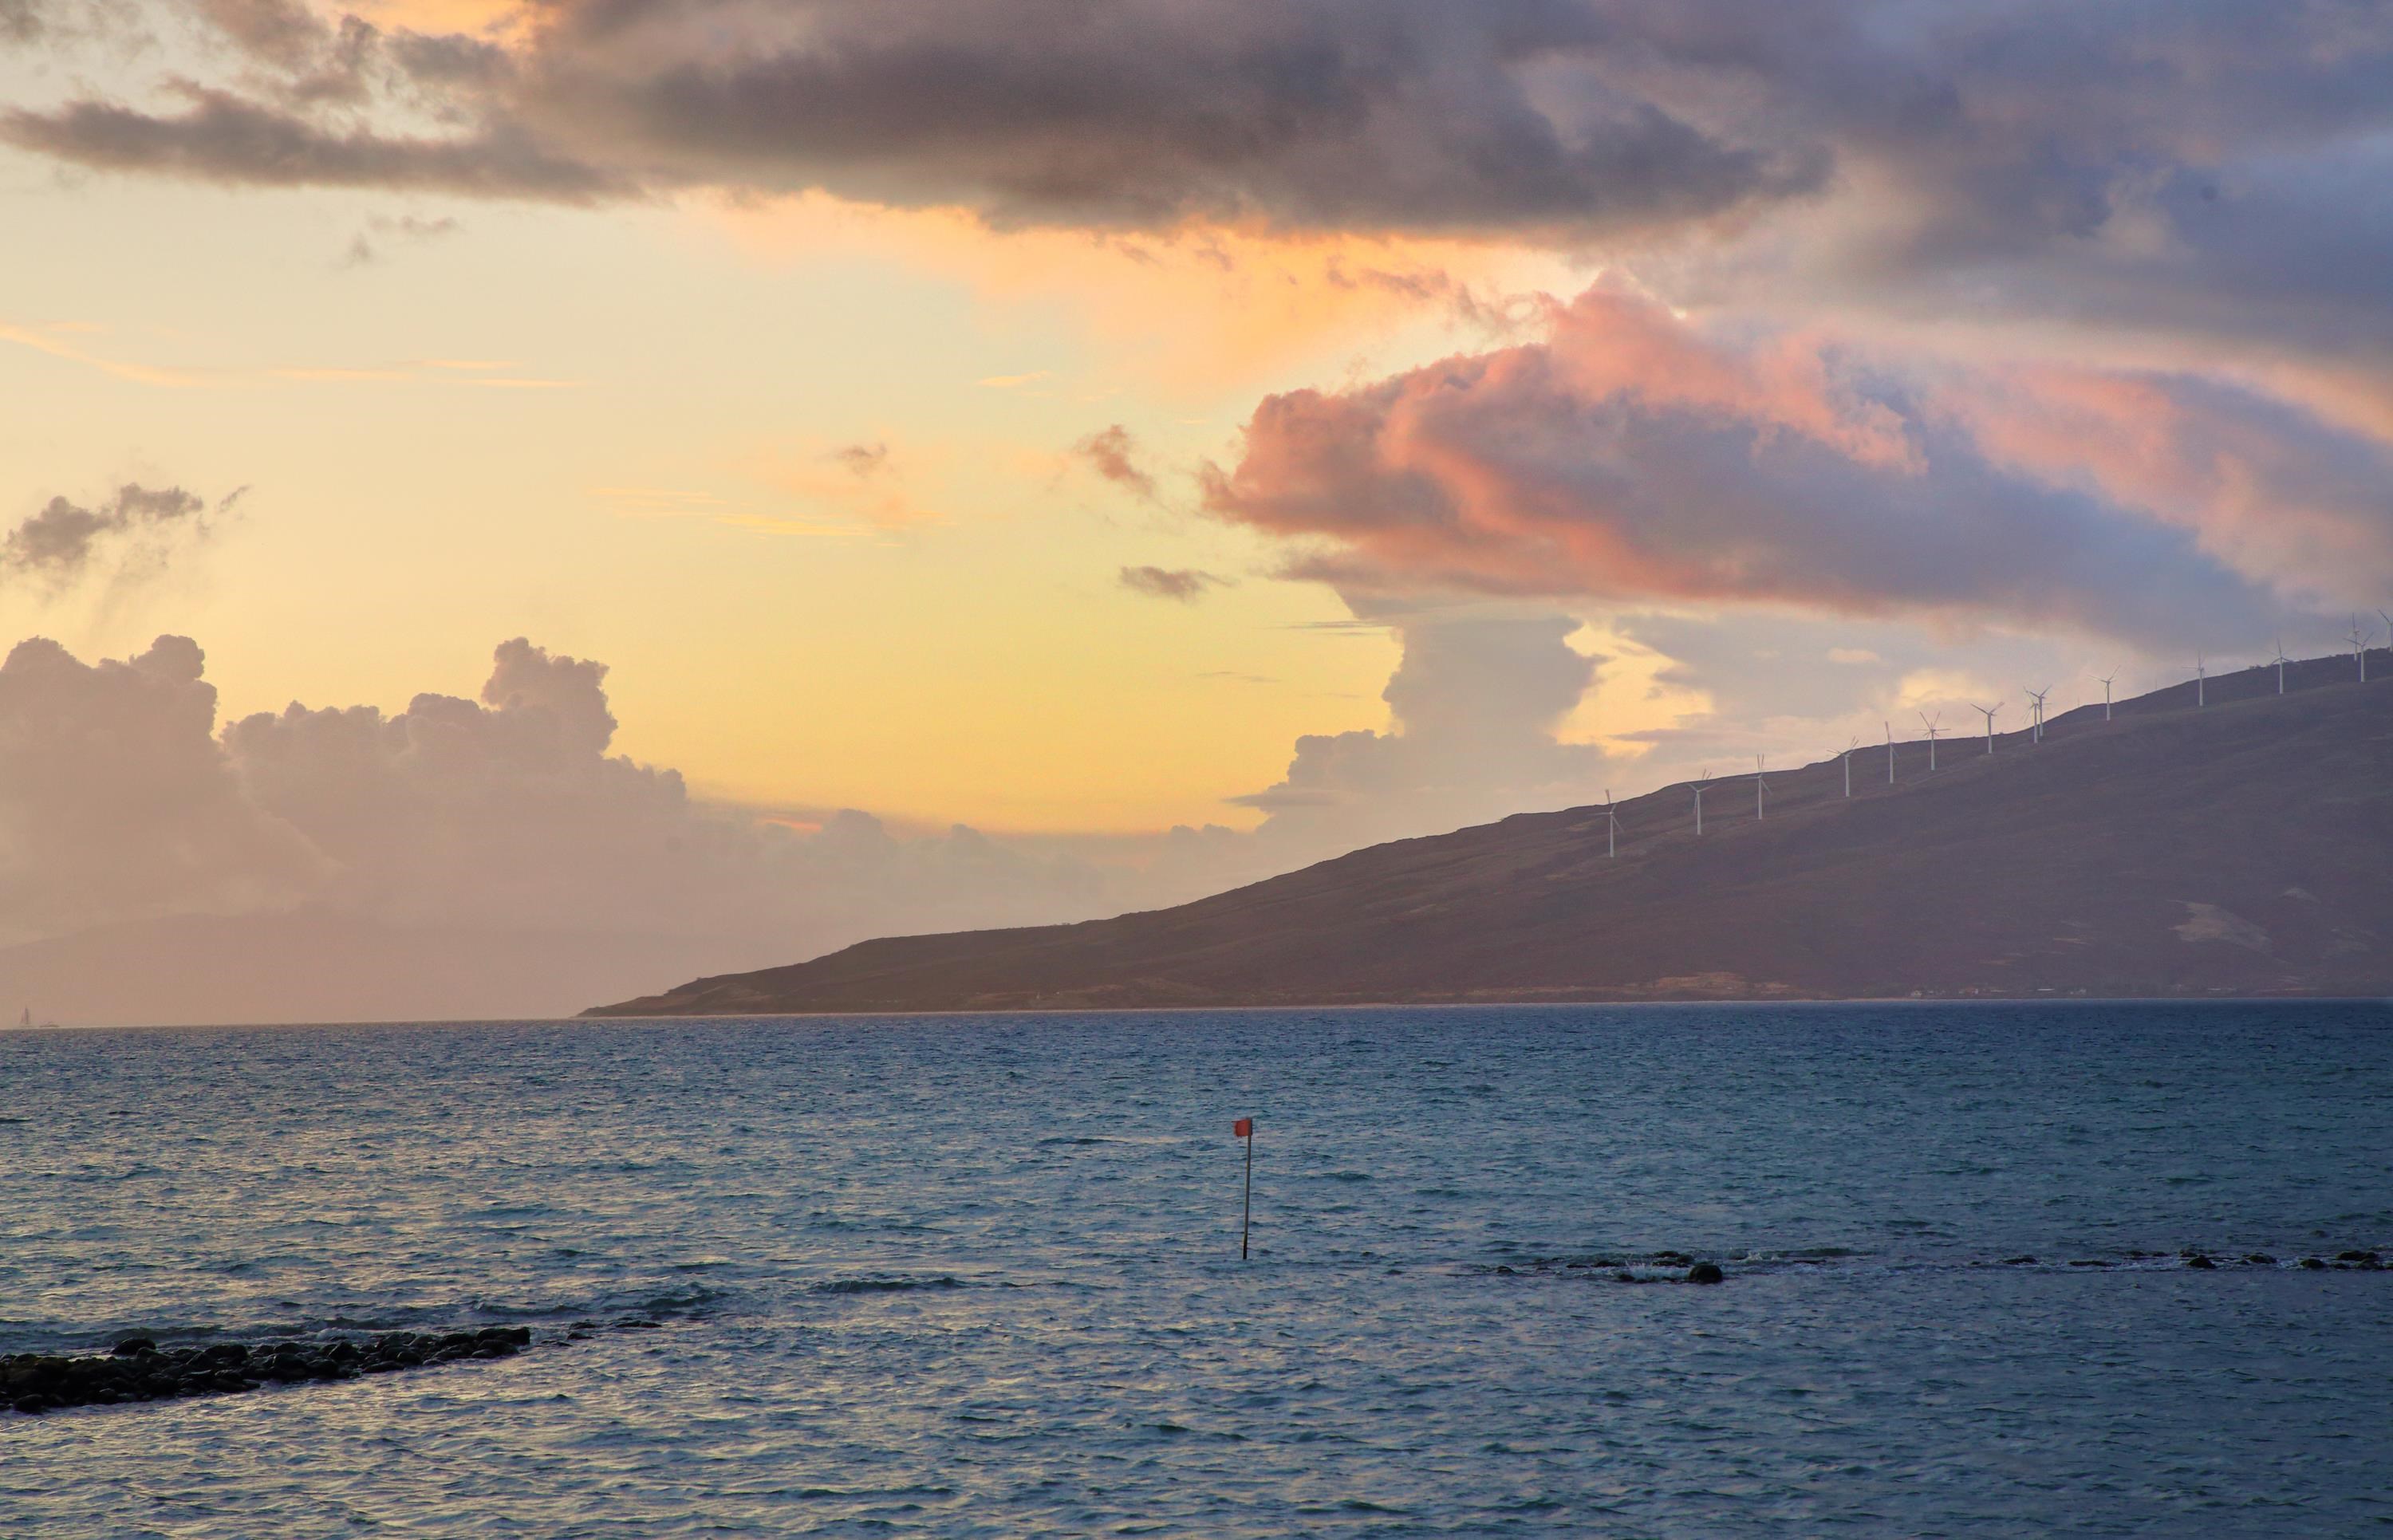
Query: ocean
[[980, 1276]]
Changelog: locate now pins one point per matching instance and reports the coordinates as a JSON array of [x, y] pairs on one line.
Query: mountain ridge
[[2237, 848]]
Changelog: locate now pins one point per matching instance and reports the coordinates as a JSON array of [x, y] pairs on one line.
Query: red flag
[[1244, 1128]]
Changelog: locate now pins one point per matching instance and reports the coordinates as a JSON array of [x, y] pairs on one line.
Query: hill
[[2241, 848]]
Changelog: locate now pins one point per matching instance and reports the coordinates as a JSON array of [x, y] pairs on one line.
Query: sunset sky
[[1302, 423]]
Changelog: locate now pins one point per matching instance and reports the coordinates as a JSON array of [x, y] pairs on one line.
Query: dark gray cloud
[[2208, 167], [2205, 173], [1186, 585], [367, 246], [65, 542], [862, 460], [1384, 114], [226, 137], [21, 21]]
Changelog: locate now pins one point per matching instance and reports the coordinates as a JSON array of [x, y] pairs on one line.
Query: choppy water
[[981, 1278]]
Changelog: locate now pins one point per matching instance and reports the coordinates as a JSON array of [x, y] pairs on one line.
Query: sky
[[507, 505]]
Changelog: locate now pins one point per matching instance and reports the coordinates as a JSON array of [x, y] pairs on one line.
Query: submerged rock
[[136, 1369], [2199, 1262], [1705, 1273]]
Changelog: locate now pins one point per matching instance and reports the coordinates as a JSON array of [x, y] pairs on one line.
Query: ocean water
[[980, 1276]]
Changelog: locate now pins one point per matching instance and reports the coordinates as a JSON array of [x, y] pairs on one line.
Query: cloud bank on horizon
[[2018, 321], [475, 837]]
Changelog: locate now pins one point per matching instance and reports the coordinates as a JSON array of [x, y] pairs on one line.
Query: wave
[[899, 1284]]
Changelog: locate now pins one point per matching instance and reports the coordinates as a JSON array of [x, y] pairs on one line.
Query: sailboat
[[27, 1019]]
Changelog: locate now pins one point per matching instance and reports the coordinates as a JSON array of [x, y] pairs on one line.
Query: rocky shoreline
[[138, 1369], [1680, 1267]]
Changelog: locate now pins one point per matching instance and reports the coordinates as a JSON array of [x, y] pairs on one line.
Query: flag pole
[[1246, 1126]]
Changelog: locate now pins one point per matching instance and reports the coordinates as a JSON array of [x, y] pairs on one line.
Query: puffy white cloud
[[459, 856], [1476, 704], [116, 803]]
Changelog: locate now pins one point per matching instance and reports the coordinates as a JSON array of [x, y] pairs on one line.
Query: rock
[[2261, 1259], [136, 1369], [2314, 1264], [1705, 1273], [2199, 1262], [2355, 1256], [2019, 1261]]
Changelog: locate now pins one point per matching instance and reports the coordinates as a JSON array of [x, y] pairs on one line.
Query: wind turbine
[[1612, 828], [1759, 787], [1890, 752], [1702, 785], [1847, 758], [2202, 681], [1930, 723], [2281, 662], [2388, 625], [1988, 712], [2106, 693], [2036, 698], [2359, 647]]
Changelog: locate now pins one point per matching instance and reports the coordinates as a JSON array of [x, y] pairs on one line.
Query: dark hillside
[[2242, 848]]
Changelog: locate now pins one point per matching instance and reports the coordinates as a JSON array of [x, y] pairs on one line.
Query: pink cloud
[[1628, 455]]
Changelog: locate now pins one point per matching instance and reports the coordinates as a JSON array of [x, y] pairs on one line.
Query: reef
[[138, 1369]]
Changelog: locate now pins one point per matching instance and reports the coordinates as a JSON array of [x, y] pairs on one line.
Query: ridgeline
[[2241, 848]]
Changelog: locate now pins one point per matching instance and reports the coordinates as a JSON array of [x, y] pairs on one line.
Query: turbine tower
[[1890, 752], [1701, 785], [1611, 828], [2359, 647], [1930, 723], [2035, 699], [2106, 693], [1847, 758], [2281, 662], [1988, 712], [2202, 682], [1760, 788]]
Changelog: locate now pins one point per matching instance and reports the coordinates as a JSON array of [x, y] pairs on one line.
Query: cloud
[[1112, 453], [115, 803], [127, 534], [1186, 585], [1629, 456], [2164, 175], [1383, 115], [1476, 704], [862, 460], [551, 870], [411, 229], [21, 21], [226, 138]]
